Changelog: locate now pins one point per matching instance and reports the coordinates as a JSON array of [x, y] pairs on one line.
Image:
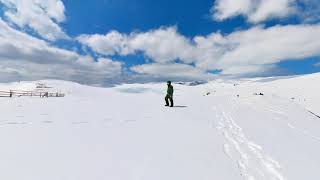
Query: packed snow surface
[[222, 130]]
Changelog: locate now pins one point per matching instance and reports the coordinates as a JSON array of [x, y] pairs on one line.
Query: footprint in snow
[[107, 119], [130, 121], [47, 122], [17, 123], [80, 122]]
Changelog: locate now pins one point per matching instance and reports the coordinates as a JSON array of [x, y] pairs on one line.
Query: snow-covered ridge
[[218, 130]]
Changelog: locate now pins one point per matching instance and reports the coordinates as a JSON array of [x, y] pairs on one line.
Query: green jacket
[[170, 90]]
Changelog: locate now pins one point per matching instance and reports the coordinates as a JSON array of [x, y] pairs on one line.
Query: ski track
[[304, 132], [273, 109], [277, 110], [251, 161]]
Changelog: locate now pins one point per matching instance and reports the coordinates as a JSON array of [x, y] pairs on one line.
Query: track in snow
[[304, 132], [252, 162]]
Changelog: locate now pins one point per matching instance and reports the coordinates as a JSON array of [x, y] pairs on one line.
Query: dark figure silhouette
[[46, 94], [169, 96]]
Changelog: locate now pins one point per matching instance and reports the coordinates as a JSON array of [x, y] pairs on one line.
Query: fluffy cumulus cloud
[[109, 44], [258, 47], [25, 57], [260, 10], [172, 71], [41, 16], [162, 45], [255, 51]]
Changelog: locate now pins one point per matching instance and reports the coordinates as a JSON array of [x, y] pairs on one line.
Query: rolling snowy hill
[[217, 131]]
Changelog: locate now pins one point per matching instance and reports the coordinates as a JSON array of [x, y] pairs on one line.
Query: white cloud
[[109, 44], [259, 46], [162, 45], [26, 57], [253, 51], [254, 10], [172, 71], [224, 9], [250, 51], [42, 16]]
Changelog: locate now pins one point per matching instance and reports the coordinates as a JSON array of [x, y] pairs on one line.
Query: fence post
[[10, 93]]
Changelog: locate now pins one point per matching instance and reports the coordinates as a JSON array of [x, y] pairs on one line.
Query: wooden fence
[[18, 93]]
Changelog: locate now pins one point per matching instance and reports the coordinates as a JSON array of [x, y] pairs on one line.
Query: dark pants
[[167, 98]]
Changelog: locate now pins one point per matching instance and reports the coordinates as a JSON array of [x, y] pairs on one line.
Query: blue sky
[[100, 16], [102, 41]]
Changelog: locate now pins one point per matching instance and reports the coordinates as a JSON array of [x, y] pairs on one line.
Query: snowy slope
[[125, 132]]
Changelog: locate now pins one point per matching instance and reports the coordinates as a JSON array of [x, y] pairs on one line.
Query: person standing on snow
[[169, 95]]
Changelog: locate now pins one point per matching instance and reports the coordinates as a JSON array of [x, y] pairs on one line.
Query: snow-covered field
[[126, 132]]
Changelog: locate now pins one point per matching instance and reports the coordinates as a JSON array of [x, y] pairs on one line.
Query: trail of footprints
[[249, 157]]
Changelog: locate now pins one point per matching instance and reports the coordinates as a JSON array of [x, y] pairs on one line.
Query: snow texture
[[219, 130]]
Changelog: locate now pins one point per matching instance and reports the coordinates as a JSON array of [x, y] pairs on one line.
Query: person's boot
[[167, 101], [171, 101]]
